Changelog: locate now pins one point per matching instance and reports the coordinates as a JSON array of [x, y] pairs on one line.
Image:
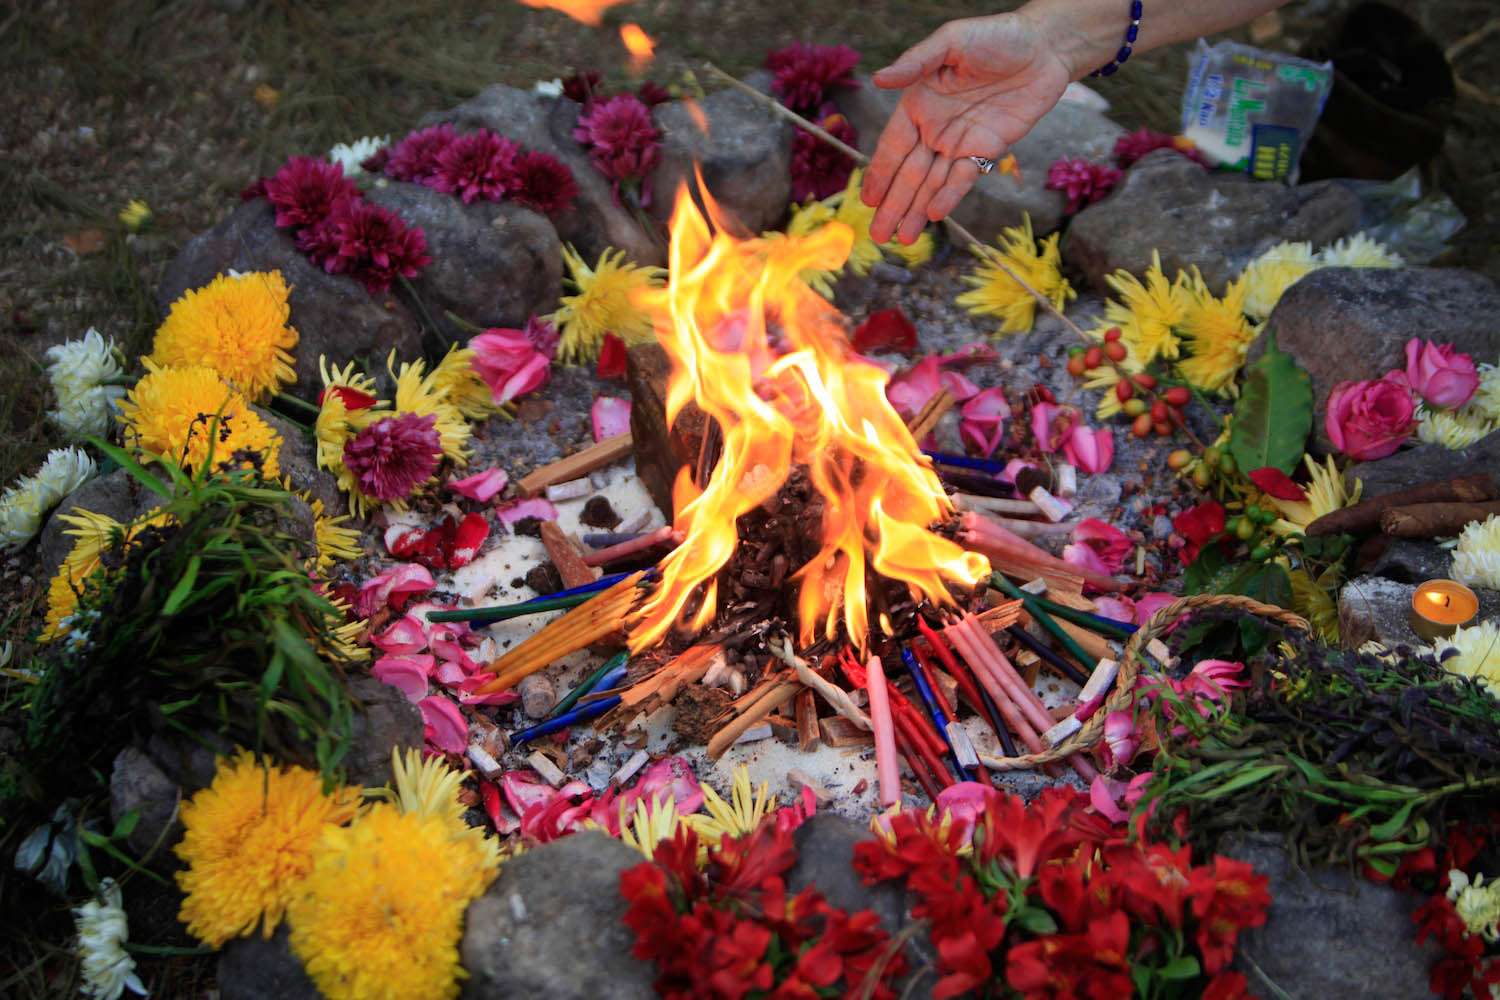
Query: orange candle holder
[[1439, 607]]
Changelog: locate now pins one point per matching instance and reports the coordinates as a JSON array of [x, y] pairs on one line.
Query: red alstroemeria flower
[[1198, 526], [1023, 837], [1227, 897]]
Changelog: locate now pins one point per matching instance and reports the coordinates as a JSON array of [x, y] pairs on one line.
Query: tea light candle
[[1438, 607]]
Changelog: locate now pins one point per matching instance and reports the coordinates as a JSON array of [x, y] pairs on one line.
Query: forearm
[[1088, 33]]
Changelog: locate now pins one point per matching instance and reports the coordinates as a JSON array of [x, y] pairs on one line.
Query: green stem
[[301, 405], [462, 323], [421, 305], [164, 949]]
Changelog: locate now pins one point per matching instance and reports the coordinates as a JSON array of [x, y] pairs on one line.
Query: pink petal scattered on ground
[[1120, 740], [670, 775], [559, 815], [452, 651], [403, 540], [449, 674], [1147, 605], [443, 724], [481, 486], [467, 692], [1042, 416], [517, 510], [408, 634], [982, 420], [509, 363], [969, 354], [392, 588], [789, 818], [610, 416], [406, 673], [523, 789], [1114, 799], [1092, 450], [965, 801], [1109, 543], [1118, 608], [505, 821], [1084, 557], [467, 539], [885, 330]]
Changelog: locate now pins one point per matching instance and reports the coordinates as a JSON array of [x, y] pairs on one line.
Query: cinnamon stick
[[1434, 520], [595, 456], [571, 565], [806, 707], [762, 707], [1365, 516]]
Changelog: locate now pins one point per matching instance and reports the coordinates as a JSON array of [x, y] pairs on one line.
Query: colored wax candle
[[1439, 607], [885, 736]]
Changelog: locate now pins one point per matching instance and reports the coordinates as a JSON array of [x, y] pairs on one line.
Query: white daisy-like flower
[[1476, 560], [1487, 397], [548, 88], [78, 371], [1473, 652], [108, 969], [24, 504], [350, 155], [1269, 276], [1454, 429], [1477, 904], [1359, 250]]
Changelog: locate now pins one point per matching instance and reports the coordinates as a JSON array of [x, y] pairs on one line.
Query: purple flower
[[394, 455], [477, 165], [544, 183], [1083, 182], [622, 140], [805, 74], [415, 158], [306, 190], [818, 169], [374, 246]]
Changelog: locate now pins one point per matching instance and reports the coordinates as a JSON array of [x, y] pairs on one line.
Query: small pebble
[[537, 696], [597, 513]]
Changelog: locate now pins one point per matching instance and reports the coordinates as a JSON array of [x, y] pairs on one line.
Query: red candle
[[885, 737]]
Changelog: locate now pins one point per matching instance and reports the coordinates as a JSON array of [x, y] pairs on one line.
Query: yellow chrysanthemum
[[340, 639], [604, 302], [737, 817], [1359, 250], [1325, 494], [456, 378], [1217, 336], [381, 912], [334, 539], [418, 392], [1476, 558], [135, 215], [94, 534], [238, 326], [850, 209], [427, 786], [1474, 652], [1269, 276], [995, 293], [1455, 428], [914, 255], [248, 843], [169, 412], [1148, 313], [650, 824]]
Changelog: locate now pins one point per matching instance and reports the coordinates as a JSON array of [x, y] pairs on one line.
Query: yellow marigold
[[1269, 276], [456, 378], [382, 909], [1217, 335], [238, 326], [94, 534], [1474, 652], [427, 786], [995, 293], [1148, 313], [417, 391], [169, 412], [248, 843], [603, 302]]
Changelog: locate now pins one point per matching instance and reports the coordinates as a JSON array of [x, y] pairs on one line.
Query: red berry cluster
[[1148, 409]]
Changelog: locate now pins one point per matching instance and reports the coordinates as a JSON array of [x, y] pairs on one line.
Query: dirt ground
[[182, 102]]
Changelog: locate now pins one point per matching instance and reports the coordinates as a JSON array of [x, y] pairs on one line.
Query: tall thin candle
[[885, 737]]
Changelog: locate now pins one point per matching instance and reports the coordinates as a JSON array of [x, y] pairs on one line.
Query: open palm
[[972, 89]]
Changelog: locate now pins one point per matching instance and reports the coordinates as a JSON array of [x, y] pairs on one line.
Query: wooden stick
[[1434, 520], [998, 505], [595, 456], [927, 419], [806, 707], [773, 699], [1365, 516], [570, 562]]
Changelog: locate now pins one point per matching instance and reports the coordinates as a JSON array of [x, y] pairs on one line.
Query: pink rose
[[1439, 374], [1091, 449], [1368, 420], [509, 363], [982, 422]]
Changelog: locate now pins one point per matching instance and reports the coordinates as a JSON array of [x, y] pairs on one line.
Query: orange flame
[[805, 400], [589, 12], [641, 46]]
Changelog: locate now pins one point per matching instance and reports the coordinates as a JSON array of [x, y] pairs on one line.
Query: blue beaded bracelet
[[1108, 69]]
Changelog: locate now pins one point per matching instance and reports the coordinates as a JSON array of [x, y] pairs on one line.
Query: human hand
[[972, 88]]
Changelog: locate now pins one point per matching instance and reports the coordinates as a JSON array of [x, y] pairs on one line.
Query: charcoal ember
[[597, 513], [544, 579], [660, 451]]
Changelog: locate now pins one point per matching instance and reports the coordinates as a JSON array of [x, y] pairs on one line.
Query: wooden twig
[[595, 456], [927, 419], [772, 699]]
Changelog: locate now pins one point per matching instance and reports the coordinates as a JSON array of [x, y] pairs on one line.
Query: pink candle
[[885, 735]]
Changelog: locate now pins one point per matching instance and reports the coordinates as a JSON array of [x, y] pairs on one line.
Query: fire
[[589, 12], [769, 361], [641, 46]]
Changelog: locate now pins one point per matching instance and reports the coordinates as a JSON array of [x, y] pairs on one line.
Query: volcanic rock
[[825, 859], [552, 925], [333, 314], [298, 460], [1198, 218], [384, 720], [1372, 607], [115, 494], [138, 785], [493, 265], [596, 221], [253, 968], [1427, 463]]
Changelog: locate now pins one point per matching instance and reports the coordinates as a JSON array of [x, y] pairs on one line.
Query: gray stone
[[1408, 560], [1372, 607], [1198, 218], [1426, 463], [137, 784], [1344, 323], [384, 720], [1000, 200], [745, 157], [493, 265], [115, 494], [333, 314], [825, 859], [551, 925], [1329, 933], [253, 968], [298, 461], [595, 222]]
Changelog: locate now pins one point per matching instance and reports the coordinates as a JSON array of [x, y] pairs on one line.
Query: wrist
[[1083, 36]]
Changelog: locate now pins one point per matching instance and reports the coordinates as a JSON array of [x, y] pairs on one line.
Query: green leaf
[[184, 588], [1244, 779], [1274, 414], [1205, 573], [126, 825], [1182, 967], [1036, 920], [137, 471]]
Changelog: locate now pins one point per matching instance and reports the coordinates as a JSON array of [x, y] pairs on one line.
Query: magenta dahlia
[[583, 88], [375, 246], [1083, 182], [394, 455], [477, 165], [622, 140], [818, 169], [805, 75], [544, 183], [1129, 148], [306, 190], [652, 93], [415, 158]]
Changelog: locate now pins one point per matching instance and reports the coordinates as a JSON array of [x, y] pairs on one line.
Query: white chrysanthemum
[[1474, 652], [108, 969], [1477, 904], [1487, 397], [78, 371], [548, 88], [1476, 560], [26, 503], [1359, 250], [350, 155], [1269, 276], [1454, 428]]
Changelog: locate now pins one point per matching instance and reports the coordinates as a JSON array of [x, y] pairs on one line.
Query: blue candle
[[928, 699], [589, 711], [989, 465]]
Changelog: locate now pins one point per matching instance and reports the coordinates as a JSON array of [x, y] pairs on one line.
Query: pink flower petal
[[538, 507], [966, 802], [481, 486], [405, 635], [1042, 415], [443, 724], [1147, 605], [1120, 609], [408, 674], [1085, 558], [506, 822], [1092, 450], [673, 776], [509, 363], [449, 674], [392, 588], [910, 390], [982, 420], [453, 652], [523, 790], [610, 416], [1120, 739], [468, 689], [1105, 795], [1111, 544], [970, 353], [959, 387], [403, 541]]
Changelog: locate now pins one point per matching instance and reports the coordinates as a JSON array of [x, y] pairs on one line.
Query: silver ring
[[984, 163]]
